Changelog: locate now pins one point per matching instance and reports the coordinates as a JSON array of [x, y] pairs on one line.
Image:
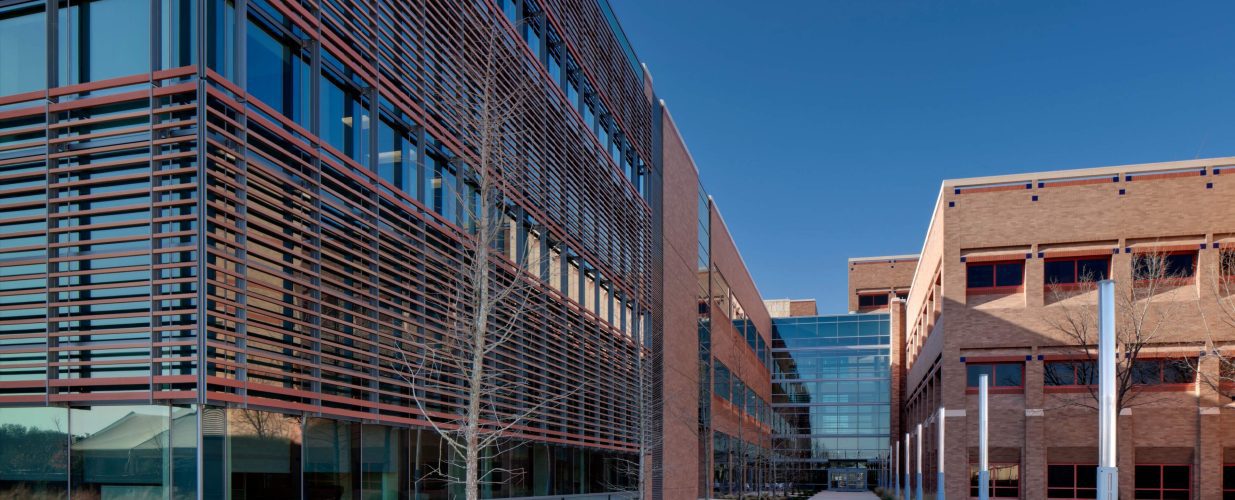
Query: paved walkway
[[844, 495]]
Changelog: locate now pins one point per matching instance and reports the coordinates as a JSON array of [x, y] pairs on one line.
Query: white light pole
[[918, 477], [1108, 470], [939, 451], [896, 464], [908, 485], [984, 472]]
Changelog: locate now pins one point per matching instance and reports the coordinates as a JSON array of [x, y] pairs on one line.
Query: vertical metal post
[[918, 476], [984, 472], [1108, 470], [939, 456], [908, 484], [896, 464]]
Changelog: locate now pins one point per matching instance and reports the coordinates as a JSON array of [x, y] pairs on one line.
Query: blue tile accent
[[1114, 250], [1209, 185], [1203, 172], [1028, 185], [1035, 197], [1127, 249], [1039, 357], [951, 203], [956, 191], [962, 359], [962, 259], [1028, 256], [1041, 254], [1202, 246], [1115, 179], [1041, 184], [1122, 192], [1128, 178]]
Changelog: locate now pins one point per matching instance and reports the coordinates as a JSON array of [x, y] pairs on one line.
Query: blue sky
[[823, 128]]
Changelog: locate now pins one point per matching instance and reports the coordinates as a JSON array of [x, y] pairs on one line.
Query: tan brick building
[[1002, 264]]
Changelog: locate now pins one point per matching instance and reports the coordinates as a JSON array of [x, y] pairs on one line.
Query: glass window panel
[[264, 453], [278, 73], [383, 455], [34, 451], [23, 48], [184, 452], [1093, 269], [1146, 372], [1008, 375], [1180, 265], [101, 39], [1059, 271], [973, 372], [396, 157], [178, 25], [121, 451], [344, 119], [1009, 274], [328, 458], [221, 37], [980, 276]]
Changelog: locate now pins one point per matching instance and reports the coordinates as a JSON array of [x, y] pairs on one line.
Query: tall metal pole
[[918, 477], [908, 484], [896, 464], [1108, 470], [939, 459], [984, 471]]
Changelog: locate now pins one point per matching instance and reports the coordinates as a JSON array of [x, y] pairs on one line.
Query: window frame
[[995, 288], [874, 295], [1162, 385], [1228, 489], [992, 466], [1177, 280], [993, 388], [1075, 474], [1076, 270], [1048, 387], [1161, 488]]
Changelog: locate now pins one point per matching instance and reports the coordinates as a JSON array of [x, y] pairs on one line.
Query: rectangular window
[[23, 48], [1005, 480], [1148, 266], [1076, 270], [1074, 481], [344, 117], [1064, 373], [1162, 371], [1000, 374], [1226, 262], [102, 39], [996, 276], [1228, 482], [279, 71], [396, 157], [872, 300], [1163, 481]]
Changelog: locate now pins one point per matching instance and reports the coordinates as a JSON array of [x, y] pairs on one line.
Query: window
[[344, 115], [1228, 482], [101, 39], [995, 276], [1005, 480], [279, 71], [873, 300], [178, 33], [1001, 374], [1226, 262], [1070, 373], [396, 157], [23, 48], [1071, 481], [1148, 266], [1162, 371], [1078, 270], [1163, 481]]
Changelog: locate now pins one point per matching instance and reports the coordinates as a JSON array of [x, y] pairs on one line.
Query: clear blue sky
[[823, 128]]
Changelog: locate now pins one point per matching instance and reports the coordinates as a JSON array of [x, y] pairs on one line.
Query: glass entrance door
[[847, 479]]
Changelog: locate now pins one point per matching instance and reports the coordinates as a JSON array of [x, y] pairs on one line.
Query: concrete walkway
[[844, 495]]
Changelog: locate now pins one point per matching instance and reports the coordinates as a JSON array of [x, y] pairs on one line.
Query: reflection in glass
[[278, 72], [382, 461], [34, 452], [101, 39], [122, 452], [264, 454], [23, 48], [328, 458]]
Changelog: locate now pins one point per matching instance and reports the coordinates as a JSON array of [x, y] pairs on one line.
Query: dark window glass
[[1001, 374], [1151, 266], [1061, 373], [328, 458], [1059, 271], [279, 72], [34, 451], [1177, 372], [1009, 274], [1180, 265], [23, 48], [396, 157], [265, 453], [1148, 372], [1163, 481], [1228, 482], [344, 119], [1093, 269], [221, 37], [102, 39], [872, 300], [105, 460], [980, 276], [1162, 371], [1226, 262], [1005, 480], [178, 27]]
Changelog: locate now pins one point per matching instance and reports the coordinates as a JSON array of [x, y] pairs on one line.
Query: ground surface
[[844, 495]]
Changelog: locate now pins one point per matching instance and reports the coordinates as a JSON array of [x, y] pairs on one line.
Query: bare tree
[[487, 295], [1144, 318], [1221, 283]]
